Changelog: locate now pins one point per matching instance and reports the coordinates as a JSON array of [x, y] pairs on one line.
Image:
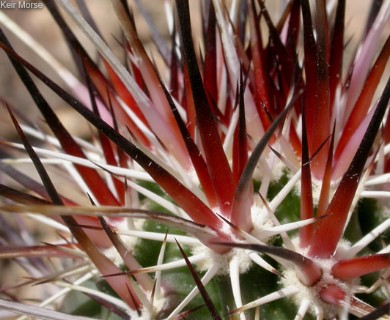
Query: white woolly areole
[[275, 168], [316, 186], [129, 242], [260, 219], [385, 207], [221, 260], [291, 278], [114, 256], [144, 314]]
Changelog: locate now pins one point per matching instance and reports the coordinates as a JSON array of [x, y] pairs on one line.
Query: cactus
[[244, 177]]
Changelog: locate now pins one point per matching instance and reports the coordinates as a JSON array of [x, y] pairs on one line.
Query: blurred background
[[39, 24]]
